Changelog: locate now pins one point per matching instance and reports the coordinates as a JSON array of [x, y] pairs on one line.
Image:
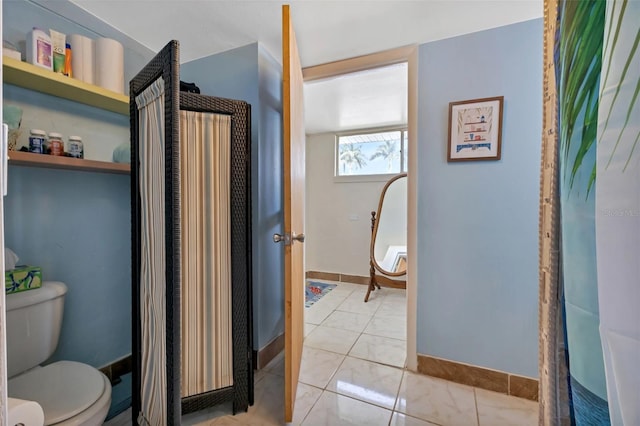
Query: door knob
[[288, 238]]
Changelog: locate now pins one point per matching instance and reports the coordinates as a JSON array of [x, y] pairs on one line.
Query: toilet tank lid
[[49, 291]]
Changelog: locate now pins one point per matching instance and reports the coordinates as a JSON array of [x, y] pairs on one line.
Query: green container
[[22, 278]]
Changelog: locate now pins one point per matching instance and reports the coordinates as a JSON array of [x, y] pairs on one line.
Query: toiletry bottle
[[67, 61], [58, 43], [39, 49], [37, 140], [56, 146], [76, 148]]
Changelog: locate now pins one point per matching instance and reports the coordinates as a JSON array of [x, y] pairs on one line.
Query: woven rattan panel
[[242, 389]]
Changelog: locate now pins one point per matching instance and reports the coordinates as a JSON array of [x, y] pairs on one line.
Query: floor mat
[[314, 291]]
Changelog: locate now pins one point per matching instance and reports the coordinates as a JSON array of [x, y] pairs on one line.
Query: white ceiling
[[326, 31], [372, 98]]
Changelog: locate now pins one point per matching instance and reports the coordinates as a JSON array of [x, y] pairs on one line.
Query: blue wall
[[268, 201], [77, 227], [478, 221], [251, 74], [19, 16]]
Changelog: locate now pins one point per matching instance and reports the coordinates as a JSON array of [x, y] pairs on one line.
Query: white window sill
[[363, 178]]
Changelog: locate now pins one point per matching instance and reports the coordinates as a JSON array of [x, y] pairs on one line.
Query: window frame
[[378, 177]]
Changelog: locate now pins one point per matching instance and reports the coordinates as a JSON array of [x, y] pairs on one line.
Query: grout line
[[312, 405], [475, 400], [382, 298]]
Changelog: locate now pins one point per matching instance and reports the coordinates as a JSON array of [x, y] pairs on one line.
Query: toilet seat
[[63, 389]]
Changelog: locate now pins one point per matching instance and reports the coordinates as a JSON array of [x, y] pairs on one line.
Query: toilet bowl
[[69, 392]]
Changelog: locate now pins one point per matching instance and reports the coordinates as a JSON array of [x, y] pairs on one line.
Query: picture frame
[[475, 129]]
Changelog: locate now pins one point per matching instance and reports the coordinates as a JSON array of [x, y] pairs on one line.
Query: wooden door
[[294, 140]]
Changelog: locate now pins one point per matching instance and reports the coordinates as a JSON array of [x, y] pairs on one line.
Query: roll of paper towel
[[82, 58], [88, 59], [27, 413], [109, 65]]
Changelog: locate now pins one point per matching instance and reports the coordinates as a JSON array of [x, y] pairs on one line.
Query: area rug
[[314, 291]]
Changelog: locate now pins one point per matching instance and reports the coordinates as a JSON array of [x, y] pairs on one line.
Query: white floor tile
[[367, 381], [399, 419], [333, 409], [393, 308], [308, 328], [318, 366], [268, 406], [362, 388], [380, 349], [499, 409], [207, 416], [331, 339], [436, 400], [276, 366], [347, 321], [258, 375], [355, 303], [387, 326], [306, 397], [332, 300], [350, 287], [395, 293], [316, 314]]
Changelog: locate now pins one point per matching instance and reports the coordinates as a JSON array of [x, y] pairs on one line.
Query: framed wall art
[[475, 129]]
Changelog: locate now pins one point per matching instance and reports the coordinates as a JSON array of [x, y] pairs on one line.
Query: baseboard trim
[[334, 276], [117, 369], [355, 279], [329, 276], [471, 375], [263, 357]]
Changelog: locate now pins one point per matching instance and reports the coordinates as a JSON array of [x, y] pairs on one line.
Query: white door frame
[[407, 54]]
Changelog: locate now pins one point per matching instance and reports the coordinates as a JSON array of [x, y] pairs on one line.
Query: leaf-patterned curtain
[[597, 83]]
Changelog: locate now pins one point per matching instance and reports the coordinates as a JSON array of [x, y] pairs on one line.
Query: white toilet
[[70, 393]]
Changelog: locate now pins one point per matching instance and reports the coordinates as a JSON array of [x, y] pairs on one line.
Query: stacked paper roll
[[82, 58], [22, 412], [109, 64], [88, 58]]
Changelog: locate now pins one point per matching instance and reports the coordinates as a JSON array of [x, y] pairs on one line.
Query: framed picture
[[475, 129]]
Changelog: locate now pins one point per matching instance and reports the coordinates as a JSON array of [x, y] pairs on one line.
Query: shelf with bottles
[[21, 158], [41, 80]]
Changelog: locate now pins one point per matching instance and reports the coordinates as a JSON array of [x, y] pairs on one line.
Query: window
[[374, 153]]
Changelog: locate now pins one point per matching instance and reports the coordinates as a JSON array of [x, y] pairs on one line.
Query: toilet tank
[[34, 319]]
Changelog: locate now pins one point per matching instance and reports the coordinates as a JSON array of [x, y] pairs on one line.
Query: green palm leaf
[[582, 26]]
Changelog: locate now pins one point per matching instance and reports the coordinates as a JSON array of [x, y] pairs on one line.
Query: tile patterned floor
[[352, 374]]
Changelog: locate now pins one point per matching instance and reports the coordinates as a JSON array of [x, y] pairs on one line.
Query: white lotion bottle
[[39, 49]]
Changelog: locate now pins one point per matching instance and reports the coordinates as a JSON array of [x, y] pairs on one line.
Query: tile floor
[[352, 374]]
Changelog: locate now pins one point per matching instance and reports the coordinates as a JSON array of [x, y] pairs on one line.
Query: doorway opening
[[360, 96]]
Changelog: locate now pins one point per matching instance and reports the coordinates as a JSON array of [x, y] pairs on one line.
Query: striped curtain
[[153, 376], [206, 341]]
